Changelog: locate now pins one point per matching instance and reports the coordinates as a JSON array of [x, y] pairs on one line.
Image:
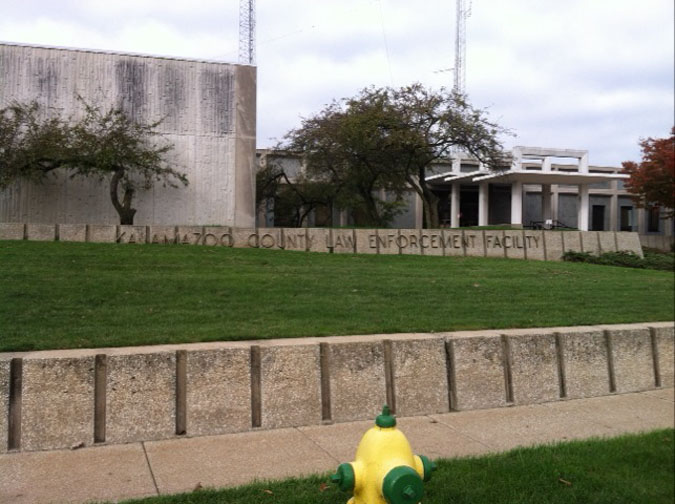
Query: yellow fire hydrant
[[385, 470]]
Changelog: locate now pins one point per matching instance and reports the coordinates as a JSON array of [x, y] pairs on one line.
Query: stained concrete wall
[[515, 244], [660, 242], [208, 113], [61, 399]]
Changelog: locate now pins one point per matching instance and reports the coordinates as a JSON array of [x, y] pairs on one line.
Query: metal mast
[[247, 32], [463, 12]]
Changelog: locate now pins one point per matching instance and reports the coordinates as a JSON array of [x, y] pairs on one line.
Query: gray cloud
[[580, 74]]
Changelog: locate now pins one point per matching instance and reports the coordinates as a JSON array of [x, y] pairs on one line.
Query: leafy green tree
[[388, 139], [30, 146], [108, 144], [294, 198]]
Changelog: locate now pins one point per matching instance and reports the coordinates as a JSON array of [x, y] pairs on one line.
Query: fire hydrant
[[385, 470]]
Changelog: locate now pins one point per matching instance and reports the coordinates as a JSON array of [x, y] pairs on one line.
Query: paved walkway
[[118, 472]]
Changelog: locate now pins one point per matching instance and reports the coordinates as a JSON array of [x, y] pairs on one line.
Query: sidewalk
[[118, 472]]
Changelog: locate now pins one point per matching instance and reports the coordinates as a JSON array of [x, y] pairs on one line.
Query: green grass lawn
[[70, 295], [635, 469]]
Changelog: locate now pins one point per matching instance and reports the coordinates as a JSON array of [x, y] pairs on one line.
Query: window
[[626, 223], [653, 214]]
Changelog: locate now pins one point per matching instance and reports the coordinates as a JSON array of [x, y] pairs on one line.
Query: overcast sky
[[580, 74]]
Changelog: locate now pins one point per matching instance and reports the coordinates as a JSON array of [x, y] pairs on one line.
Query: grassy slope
[[627, 470], [68, 295]]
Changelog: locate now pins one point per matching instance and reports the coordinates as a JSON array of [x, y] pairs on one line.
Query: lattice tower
[[247, 32], [463, 12]]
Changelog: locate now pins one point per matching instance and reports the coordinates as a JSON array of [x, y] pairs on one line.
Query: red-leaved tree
[[652, 181]]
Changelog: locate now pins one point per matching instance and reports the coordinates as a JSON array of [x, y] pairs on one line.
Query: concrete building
[[543, 188], [208, 112]]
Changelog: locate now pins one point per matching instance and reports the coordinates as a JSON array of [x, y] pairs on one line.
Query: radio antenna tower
[[247, 32], [463, 12]]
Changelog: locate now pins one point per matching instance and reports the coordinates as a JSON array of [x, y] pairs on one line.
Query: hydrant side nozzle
[[429, 467], [344, 477]]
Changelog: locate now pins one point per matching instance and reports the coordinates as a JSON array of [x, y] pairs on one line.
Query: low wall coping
[[363, 338]]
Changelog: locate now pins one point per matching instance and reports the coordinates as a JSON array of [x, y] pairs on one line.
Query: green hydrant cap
[[402, 485], [386, 419], [344, 477]]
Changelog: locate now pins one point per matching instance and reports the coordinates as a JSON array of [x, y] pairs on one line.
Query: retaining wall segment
[[295, 239], [585, 368], [317, 239], [553, 245], [11, 231], [632, 358], [386, 241], [607, 242], [629, 242], [218, 383], [365, 243], [494, 244], [290, 391], [665, 342], [590, 242], [4, 403], [454, 243], [141, 396], [431, 242], [533, 362], [71, 398], [41, 232], [357, 378], [476, 370], [72, 232], [57, 402], [419, 376], [571, 241], [513, 244]]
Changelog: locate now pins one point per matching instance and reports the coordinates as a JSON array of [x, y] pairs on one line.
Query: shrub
[[652, 260]]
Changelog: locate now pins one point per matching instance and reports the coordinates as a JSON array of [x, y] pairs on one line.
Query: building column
[[483, 203], [546, 207], [454, 205], [614, 212], [668, 227], [517, 204], [554, 204], [582, 216], [641, 224], [583, 163]]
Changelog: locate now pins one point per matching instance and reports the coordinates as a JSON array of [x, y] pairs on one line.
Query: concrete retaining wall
[[61, 399], [660, 242], [526, 244]]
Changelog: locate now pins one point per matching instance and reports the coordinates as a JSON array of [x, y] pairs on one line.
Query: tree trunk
[[124, 209], [373, 212], [429, 200], [430, 208]]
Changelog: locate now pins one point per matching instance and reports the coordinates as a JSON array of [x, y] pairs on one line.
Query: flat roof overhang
[[549, 177], [454, 177]]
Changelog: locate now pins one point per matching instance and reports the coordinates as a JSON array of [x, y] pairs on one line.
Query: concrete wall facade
[[72, 398], [208, 112], [664, 243], [515, 244]]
